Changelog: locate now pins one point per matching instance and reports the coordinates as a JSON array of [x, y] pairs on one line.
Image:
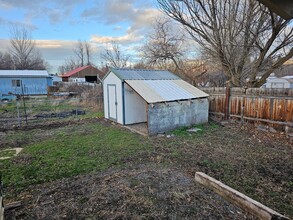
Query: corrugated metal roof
[[24, 73], [142, 74], [72, 72], [153, 91]]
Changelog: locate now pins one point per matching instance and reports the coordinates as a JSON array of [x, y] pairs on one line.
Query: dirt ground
[[141, 193], [159, 184]]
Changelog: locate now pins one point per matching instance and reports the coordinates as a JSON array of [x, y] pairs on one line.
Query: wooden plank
[[13, 205], [263, 120], [242, 201], [1, 208]]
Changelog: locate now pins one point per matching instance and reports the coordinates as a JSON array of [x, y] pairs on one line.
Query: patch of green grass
[[9, 107], [202, 128], [17, 139], [92, 114], [7, 153], [71, 153], [181, 131]]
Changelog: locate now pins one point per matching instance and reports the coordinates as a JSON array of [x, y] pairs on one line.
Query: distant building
[[279, 82], [83, 74], [29, 82], [56, 78]]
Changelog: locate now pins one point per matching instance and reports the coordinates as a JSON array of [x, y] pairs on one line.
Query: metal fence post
[[18, 114], [76, 107]]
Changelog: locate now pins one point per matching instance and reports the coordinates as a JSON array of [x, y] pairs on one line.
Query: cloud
[[111, 12], [131, 19], [138, 19], [54, 44], [117, 28], [54, 10], [55, 52], [4, 45], [8, 24], [125, 39]]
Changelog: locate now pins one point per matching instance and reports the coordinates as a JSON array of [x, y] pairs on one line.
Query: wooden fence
[[268, 106]]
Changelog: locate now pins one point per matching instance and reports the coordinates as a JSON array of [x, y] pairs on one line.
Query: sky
[[57, 25]]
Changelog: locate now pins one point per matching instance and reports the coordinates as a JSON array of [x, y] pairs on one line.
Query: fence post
[[242, 106], [18, 114], [76, 107], [227, 100], [22, 91]]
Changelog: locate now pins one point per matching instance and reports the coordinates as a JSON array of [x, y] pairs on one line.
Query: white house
[[158, 98], [279, 83]]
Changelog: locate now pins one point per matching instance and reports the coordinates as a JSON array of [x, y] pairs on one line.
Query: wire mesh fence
[[29, 112]]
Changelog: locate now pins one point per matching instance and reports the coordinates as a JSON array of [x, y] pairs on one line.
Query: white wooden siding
[[112, 79], [135, 106]]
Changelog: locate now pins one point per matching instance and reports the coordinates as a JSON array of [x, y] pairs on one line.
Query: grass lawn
[[66, 153], [256, 163]]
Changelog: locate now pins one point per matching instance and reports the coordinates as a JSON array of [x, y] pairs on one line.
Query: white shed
[[159, 98]]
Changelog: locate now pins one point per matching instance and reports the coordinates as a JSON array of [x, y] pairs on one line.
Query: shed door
[[112, 102]]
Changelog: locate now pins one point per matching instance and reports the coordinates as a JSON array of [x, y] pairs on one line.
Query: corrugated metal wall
[[273, 106], [32, 86]]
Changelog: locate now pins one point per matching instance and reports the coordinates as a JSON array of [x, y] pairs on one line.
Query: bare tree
[[193, 70], [69, 64], [88, 51], [23, 50], [113, 57], [164, 45], [6, 62], [166, 48], [79, 52], [247, 40]]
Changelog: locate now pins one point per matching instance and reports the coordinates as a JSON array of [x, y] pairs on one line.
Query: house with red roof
[[83, 74]]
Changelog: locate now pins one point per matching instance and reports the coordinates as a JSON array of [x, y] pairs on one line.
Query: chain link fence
[[36, 111]]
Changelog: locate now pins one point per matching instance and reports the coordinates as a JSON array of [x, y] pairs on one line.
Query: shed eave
[[160, 91]]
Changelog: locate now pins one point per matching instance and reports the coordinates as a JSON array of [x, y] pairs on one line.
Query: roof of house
[[142, 74], [72, 72], [24, 73], [287, 77], [153, 91]]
